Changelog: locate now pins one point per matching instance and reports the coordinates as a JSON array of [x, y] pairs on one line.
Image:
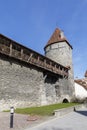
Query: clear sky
[[32, 22]]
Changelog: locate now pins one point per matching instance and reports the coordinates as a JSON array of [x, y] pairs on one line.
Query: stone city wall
[[19, 83], [23, 85]]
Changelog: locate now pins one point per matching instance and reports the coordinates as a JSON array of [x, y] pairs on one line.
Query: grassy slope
[[43, 110]]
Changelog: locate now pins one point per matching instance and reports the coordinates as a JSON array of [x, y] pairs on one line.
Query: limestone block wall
[[20, 84], [23, 85], [57, 89], [60, 52]]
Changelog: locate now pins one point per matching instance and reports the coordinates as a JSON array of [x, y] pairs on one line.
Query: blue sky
[[32, 22]]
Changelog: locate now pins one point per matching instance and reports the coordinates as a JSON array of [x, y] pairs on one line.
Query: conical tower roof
[[85, 74], [56, 37]]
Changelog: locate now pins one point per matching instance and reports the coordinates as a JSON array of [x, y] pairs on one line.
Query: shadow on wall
[[50, 79]]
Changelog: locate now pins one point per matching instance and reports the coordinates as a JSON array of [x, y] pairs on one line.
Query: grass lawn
[[44, 110]]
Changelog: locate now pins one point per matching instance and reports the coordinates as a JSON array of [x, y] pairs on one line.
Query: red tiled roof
[[82, 82], [56, 37], [85, 74]]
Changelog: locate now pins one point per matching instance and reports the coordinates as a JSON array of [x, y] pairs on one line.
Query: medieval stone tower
[[28, 78], [59, 50]]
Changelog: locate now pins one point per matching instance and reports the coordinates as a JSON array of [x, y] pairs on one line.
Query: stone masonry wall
[[61, 52], [20, 84], [23, 85]]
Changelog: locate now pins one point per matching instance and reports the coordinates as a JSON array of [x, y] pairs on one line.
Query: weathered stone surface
[[19, 84], [22, 85], [61, 52]]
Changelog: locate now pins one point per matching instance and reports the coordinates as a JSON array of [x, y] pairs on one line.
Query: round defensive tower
[[60, 50]]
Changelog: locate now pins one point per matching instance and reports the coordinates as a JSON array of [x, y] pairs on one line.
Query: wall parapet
[[15, 50]]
